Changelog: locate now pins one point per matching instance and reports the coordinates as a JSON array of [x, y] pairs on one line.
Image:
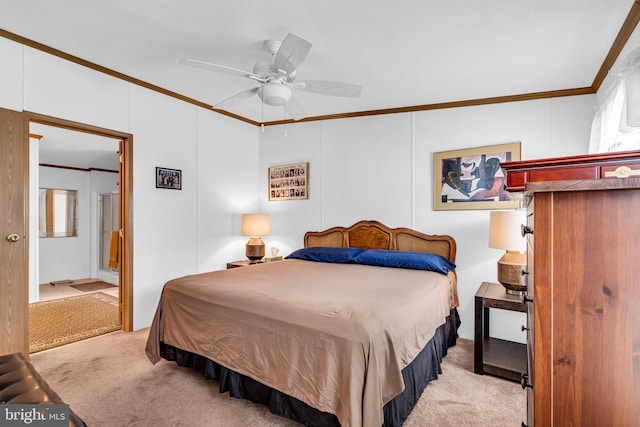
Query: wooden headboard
[[375, 235]]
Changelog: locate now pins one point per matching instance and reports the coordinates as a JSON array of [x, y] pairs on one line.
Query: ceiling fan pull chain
[[285, 117]]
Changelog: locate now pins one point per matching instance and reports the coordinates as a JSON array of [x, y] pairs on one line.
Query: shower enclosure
[[109, 223]]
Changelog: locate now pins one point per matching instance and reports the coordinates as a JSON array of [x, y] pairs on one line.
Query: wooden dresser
[[583, 294]]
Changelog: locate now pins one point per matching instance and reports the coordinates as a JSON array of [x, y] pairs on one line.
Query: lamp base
[[255, 250], [510, 272]]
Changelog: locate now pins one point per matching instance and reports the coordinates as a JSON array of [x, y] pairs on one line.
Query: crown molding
[[444, 105], [629, 25], [60, 54], [625, 32], [49, 165]]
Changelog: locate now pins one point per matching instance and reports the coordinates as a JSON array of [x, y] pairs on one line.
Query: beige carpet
[[109, 382], [62, 321], [93, 286]]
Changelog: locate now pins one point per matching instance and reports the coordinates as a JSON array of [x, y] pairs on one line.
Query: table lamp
[[504, 233], [255, 226]]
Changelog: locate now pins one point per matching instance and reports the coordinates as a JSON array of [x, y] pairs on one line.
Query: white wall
[[227, 165], [67, 258], [58, 266], [290, 219], [381, 168], [375, 168], [167, 133], [545, 128], [11, 75]]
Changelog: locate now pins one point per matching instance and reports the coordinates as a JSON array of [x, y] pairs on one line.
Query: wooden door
[[14, 247]]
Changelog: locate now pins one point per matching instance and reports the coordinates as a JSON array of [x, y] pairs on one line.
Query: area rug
[[62, 321], [93, 286]]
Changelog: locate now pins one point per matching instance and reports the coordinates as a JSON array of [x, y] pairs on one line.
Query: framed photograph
[[169, 178], [289, 182], [472, 178]]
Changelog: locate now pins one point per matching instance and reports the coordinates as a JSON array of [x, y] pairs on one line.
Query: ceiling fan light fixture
[[276, 76], [275, 94]]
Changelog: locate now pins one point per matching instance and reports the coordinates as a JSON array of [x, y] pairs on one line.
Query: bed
[[346, 331]]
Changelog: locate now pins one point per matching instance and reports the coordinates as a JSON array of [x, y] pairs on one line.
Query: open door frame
[[14, 224], [126, 219]]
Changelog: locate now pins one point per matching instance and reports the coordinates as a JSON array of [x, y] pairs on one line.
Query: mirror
[[58, 213]]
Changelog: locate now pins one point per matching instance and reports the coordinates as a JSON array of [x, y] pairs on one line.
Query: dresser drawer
[[582, 167]]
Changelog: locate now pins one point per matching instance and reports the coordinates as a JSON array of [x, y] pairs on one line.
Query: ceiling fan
[[277, 77]]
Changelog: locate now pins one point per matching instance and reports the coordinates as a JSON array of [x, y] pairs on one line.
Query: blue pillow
[[401, 259], [326, 254]]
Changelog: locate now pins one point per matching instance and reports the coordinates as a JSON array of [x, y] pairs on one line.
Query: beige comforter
[[335, 336]]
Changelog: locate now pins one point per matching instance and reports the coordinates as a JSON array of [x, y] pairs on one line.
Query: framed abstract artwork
[[472, 178]]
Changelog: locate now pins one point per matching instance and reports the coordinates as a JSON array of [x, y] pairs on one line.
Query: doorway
[[123, 270], [70, 171], [75, 287], [19, 238]]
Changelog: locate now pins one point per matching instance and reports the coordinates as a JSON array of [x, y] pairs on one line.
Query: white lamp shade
[[504, 230], [255, 225]]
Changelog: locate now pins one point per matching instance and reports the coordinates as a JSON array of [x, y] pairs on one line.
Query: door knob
[[13, 238]]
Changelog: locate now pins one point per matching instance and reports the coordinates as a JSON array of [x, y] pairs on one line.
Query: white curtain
[[616, 124]]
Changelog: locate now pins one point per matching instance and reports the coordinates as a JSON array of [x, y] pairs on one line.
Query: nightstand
[[243, 263], [495, 356]]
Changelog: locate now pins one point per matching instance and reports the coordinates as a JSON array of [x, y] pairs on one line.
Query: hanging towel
[[114, 250]]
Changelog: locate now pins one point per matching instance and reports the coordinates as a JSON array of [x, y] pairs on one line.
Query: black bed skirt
[[424, 368]]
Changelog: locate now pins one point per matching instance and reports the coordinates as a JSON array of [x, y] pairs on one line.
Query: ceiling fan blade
[[221, 69], [238, 97], [323, 87], [295, 109], [291, 53]]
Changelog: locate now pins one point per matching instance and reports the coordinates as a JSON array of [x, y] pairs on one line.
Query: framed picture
[[289, 182], [169, 178], [472, 178]]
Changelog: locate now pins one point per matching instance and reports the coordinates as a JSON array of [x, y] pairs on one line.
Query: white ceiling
[[63, 147], [403, 53]]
